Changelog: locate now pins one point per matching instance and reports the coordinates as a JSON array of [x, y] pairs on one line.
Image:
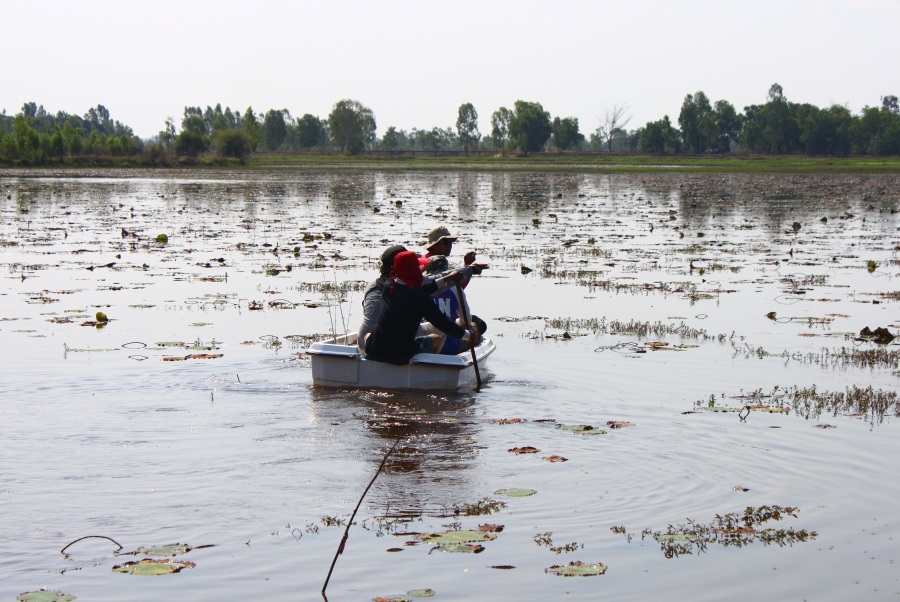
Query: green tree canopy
[[191, 144], [660, 137], [467, 125], [529, 126], [565, 133], [311, 131], [698, 123], [351, 126], [234, 143], [500, 128], [274, 129]]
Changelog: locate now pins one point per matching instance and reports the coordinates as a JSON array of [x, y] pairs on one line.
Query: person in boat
[[451, 305], [440, 242], [371, 302], [403, 306]]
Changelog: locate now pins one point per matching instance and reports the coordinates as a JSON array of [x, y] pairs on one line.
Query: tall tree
[[467, 125], [391, 139], [500, 128], [697, 123], [310, 131], [728, 125], [565, 133], [529, 126], [351, 126], [614, 118], [274, 129], [660, 137], [251, 123]]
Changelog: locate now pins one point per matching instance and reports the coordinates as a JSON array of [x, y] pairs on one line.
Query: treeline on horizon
[[778, 127]]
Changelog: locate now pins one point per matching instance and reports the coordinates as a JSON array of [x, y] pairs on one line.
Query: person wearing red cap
[[403, 305], [371, 301]]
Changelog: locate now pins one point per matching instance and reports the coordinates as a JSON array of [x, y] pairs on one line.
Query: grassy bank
[[602, 163], [594, 163]]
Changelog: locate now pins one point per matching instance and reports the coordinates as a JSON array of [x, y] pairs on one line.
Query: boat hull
[[339, 363]]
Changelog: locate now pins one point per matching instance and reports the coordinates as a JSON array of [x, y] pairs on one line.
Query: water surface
[[103, 435]]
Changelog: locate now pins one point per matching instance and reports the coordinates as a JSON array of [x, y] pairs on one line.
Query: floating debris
[[577, 569], [523, 450]]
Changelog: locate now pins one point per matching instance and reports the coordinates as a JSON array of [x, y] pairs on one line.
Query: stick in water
[[340, 549], [462, 304]]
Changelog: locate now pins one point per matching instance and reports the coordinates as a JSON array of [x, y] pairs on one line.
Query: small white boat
[[339, 363]]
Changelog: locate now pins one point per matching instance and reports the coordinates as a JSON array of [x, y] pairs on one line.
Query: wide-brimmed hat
[[437, 235]]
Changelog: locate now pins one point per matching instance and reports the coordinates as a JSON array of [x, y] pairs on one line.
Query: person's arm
[[451, 279], [440, 321], [371, 308]]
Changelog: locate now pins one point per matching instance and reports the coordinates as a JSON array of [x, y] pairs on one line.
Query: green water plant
[[44, 595]]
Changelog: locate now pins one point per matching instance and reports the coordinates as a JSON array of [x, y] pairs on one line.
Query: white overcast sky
[[414, 62]]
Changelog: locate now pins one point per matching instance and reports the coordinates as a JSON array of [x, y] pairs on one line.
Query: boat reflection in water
[[432, 469]]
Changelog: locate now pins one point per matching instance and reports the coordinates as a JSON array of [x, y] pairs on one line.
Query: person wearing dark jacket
[[433, 284], [403, 305]]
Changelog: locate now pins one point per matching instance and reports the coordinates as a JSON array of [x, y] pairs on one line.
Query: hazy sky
[[414, 62]]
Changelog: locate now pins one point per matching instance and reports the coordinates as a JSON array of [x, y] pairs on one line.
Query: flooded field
[[695, 389]]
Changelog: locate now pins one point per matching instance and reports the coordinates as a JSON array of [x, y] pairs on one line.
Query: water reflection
[[433, 467]]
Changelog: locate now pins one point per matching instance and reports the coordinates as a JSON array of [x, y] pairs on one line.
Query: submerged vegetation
[[868, 403], [729, 530]]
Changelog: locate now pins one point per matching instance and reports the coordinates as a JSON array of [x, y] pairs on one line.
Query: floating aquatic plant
[[150, 567], [578, 569], [728, 530], [45, 595]]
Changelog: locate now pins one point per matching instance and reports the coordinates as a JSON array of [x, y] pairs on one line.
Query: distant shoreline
[[605, 163]]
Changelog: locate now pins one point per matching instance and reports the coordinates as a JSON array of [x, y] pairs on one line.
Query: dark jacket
[[402, 310]]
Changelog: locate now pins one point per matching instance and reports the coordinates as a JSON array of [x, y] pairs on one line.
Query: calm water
[[101, 436]]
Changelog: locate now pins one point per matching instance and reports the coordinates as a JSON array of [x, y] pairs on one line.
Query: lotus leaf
[[152, 567], [581, 429], [421, 593], [455, 537], [461, 548], [172, 549], [578, 569], [44, 595], [515, 492]]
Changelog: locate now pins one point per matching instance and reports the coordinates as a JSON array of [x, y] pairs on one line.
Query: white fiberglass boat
[[339, 363]]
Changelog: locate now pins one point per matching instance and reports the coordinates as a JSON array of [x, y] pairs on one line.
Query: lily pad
[[172, 549], [581, 429], [44, 595], [578, 569], [515, 492], [456, 537], [421, 593], [151, 567], [461, 548]]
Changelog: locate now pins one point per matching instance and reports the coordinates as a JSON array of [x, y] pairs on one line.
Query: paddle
[[462, 305]]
